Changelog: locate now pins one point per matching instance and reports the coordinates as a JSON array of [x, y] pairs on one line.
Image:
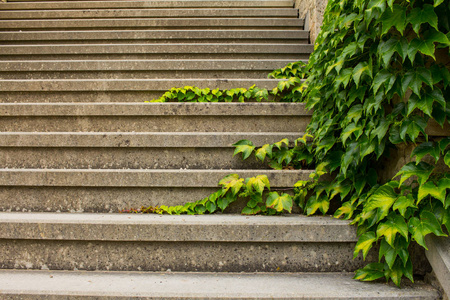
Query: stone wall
[[312, 11]]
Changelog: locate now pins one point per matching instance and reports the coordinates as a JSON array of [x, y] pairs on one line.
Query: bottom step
[[26, 285]]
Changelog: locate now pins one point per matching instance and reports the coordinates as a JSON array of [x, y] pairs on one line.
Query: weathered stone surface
[[153, 109], [179, 257], [161, 49], [140, 139], [138, 35], [438, 255], [168, 228], [46, 285], [139, 178], [312, 11], [99, 199], [162, 85], [143, 69], [147, 23], [150, 13], [180, 243], [10, 5]]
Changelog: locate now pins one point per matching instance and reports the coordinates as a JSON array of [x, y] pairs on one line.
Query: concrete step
[[154, 117], [108, 190], [130, 150], [9, 50], [143, 69], [56, 5], [138, 178], [438, 255], [147, 23], [213, 243], [110, 90], [39, 285], [153, 36], [150, 13]]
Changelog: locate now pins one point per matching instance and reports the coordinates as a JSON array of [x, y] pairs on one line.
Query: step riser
[[129, 85], [155, 41], [93, 24], [137, 178], [111, 36], [98, 200], [149, 13], [178, 257], [113, 158], [161, 56], [143, 4], [149, 69], [37, 50], [154, 124], [117, 151], [149, 74], [142, 65]]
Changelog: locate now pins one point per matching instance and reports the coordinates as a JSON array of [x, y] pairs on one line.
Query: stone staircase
[[78, 144]]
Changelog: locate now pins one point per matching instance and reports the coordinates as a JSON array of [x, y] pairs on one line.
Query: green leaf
[[382, 199], [347, 132], [422, 170], [447, 158], [251, 211], [428, 148], [419, 16], [279, 203], [427, 224], [343, 78], [257, 184], [425, 46], [211, 207], [430, 189], [263, 151], [315, 203], [403, 203], [364, 244], [394, 18], [232, 182], [370, 272], [391, 227], [414, 80], [388, 252], [346, 209], [363, 68], [244, 146], [382, 78], [224, 202]]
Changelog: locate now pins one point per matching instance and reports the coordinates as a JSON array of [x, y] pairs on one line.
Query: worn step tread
[[153, 109], [83, 85], [151, 22], [139, 139], [184, 48], [27, 285], [155, 34], [173, 228], [142, 65], [140, 178], [150, 13], [13, 5]]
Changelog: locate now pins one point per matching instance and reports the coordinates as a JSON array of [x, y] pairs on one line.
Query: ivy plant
[[379, 75]]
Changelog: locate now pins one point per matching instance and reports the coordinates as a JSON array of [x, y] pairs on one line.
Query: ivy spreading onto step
[[379, 75]]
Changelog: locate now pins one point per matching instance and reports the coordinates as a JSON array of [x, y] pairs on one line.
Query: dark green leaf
[[419, 16]]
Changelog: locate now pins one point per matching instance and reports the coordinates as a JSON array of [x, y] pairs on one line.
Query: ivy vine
[[378, 76]]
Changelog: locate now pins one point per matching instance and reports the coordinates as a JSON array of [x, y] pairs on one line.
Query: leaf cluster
[[255, 190], [195, 94]]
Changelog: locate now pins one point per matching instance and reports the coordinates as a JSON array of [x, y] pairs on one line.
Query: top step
[[31, 4]]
